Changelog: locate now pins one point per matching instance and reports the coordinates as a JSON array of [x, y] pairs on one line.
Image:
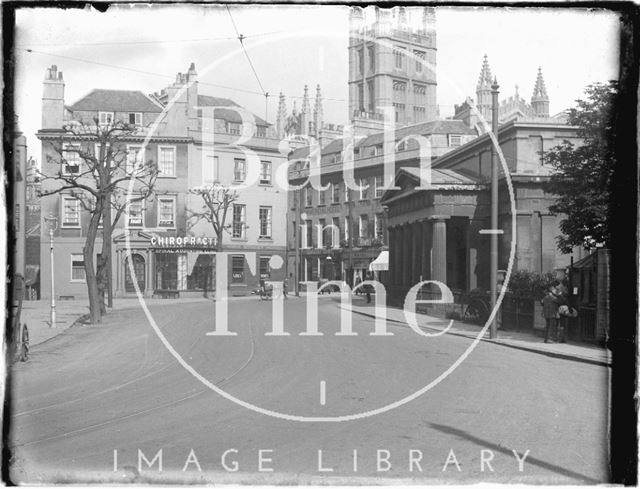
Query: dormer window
[[234, 128], [455, 140], [135, 118], [261, 131], [105, 118]]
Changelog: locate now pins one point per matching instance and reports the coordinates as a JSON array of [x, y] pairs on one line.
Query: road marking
[[491, 231], [323, 392]]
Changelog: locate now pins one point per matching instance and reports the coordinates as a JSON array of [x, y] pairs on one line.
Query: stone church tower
[[392, 61]]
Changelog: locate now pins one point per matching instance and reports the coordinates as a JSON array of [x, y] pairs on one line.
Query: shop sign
[[175, 244]]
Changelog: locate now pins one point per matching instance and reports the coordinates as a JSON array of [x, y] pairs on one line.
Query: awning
[[380, 264]]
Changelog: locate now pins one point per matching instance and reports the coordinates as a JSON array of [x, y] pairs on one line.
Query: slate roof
[[228, 115], [443, 176], [101, 99], [448, 126]]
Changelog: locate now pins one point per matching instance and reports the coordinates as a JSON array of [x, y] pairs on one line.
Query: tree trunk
[[106, 249], [92, 282]]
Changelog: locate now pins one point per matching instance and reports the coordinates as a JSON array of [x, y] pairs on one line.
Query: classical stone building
[[435, 234]]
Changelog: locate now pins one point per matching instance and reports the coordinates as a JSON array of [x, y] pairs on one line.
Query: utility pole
[[297, 239], [53, 224], [493, 332]]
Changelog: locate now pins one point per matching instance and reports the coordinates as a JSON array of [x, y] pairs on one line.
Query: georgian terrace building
[[182, 265], [353, 222]]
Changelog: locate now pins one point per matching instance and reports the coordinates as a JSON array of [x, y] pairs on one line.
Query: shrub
[[530, 285]]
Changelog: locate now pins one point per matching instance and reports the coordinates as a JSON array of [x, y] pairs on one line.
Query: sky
[[143, 47]]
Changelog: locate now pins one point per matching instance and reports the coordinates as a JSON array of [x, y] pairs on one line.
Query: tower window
[[398, 55], [421, 56], [372, 58]]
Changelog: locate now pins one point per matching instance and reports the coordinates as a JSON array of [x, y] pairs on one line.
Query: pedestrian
[[550, 314], [284, 288], [368, 290], [562, 297], [357, 282]]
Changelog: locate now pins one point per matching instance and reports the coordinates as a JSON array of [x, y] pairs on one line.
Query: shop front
[[164, 265]]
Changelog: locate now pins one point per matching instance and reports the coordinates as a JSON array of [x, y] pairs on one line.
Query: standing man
[[550, 314]]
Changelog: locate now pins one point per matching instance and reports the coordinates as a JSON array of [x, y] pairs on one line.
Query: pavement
[[37, 314], [521, 340]]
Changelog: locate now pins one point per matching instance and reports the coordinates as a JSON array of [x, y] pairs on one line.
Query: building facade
[[191, 138], [340, 230], [436, 234]]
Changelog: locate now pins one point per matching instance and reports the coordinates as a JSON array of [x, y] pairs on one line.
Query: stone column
[[416, 265], [393, 254], [426, 250], [406, 256], [439, 255]]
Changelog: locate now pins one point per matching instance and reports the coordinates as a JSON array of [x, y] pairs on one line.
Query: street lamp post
[[297, 240], [53, 224], [493, 332]]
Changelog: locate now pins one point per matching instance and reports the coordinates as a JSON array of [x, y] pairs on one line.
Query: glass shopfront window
[[167, 271], [186, 271]]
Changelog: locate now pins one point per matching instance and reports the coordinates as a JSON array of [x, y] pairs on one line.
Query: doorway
[[139, 270]]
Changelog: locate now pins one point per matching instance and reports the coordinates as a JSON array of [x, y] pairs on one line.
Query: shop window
[[166, 271], [237, 269], [77, 268], [200, 271], [265, 270]]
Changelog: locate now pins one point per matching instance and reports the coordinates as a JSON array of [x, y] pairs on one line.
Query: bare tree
[[96, 169], [216, 201]]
